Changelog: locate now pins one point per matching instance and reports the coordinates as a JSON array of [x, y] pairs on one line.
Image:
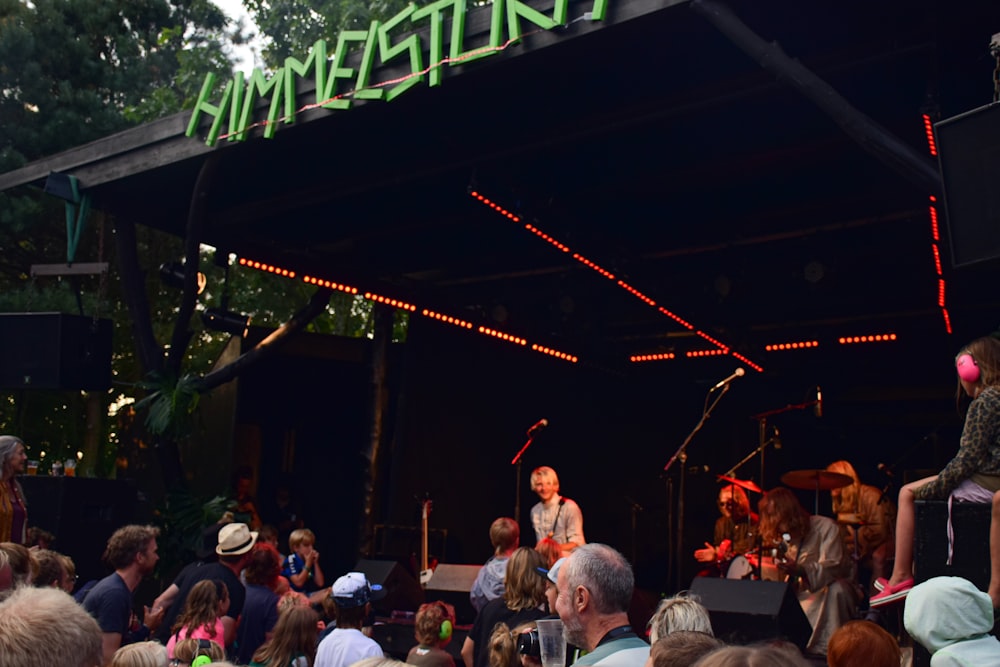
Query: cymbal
[[815, 479], [745, 484]]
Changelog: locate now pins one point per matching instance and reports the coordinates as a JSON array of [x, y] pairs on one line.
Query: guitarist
[[555, 517], [810, 554]]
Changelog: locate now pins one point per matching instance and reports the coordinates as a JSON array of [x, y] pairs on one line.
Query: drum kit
[[752, 565]]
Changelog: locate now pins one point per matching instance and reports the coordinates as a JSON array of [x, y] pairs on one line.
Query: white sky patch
[[247, 55]]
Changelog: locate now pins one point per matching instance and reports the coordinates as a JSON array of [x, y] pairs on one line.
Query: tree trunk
[[380, 404]]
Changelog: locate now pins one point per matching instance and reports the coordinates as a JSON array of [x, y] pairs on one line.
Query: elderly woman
[[13, 508]]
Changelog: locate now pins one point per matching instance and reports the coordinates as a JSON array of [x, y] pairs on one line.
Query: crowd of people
[[243, 603]]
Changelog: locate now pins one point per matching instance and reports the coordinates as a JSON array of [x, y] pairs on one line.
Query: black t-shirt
[[494, 612], [110, 603], [260, 613], [186, 580]]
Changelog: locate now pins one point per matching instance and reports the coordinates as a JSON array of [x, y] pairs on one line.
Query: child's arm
[[317, 573]]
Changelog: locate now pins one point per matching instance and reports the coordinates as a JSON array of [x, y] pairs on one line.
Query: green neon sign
[[333, 78]]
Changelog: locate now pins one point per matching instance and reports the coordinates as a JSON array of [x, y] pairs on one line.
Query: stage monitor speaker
[[54, 351], [402, 591], [451, 584], [745, 611], [969, 153]]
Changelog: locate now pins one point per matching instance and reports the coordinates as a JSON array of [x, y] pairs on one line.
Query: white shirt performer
[[555, 517]]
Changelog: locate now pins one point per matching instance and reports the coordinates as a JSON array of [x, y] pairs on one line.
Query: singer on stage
[[555, 517]]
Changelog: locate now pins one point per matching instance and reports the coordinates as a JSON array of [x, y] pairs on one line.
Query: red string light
[[395, 303], [704, 353], [555, 353], [935, 239], [929, 132], [260, 266], [329, 284], [447, 319], [877, 338], [502, 336], [652, 357], [800, 345]]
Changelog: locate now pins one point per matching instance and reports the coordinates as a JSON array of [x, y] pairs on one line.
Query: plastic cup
[[552, 642], [70, 467], [32, 467], [57, 468]]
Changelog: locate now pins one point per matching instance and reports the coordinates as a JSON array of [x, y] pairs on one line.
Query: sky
[[244, 54]]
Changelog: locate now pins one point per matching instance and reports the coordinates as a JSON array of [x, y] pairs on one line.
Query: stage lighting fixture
[[172, 275], [218, 319]]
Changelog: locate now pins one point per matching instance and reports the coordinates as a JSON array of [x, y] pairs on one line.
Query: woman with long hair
[[523, 601], [973, 475], [293, 643], [13, 507], [201, 617]]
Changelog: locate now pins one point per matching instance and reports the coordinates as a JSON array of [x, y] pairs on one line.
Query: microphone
[[776, 438], [695, 470], [739, 372], [538, 426], [886, 470], [818, 406]]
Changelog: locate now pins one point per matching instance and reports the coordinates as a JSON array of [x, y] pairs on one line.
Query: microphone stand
[[516, 461], [682, 455]]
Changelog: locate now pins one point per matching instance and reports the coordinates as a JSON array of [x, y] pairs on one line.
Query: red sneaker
[[890, 594]]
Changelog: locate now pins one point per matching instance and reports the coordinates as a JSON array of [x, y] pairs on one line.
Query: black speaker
[[82, 513], [746, 611], [54, 351], [402, 591], [971, 557], [969, 153], [451, 584]]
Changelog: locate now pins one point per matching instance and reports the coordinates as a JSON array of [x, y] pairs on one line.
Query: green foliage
[[291, 27], [170, 404], [181, 518]]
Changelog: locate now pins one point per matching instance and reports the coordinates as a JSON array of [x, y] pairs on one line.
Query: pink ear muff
[[967, 368]]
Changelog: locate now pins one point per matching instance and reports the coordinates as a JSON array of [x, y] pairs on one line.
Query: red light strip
[[652, 357], [877, 338], [403, 305], [395, 303], [555, 353], [724, 349], [447, 319], [267, 267], [929, 131], [502, 336], [704, 353], [801, 345], [935, 239], [329, 284]]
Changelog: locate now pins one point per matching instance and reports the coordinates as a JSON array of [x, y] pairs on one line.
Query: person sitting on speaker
[[862, 510], [808, 552], [734, 532], [555, 516], [973, 475], [505, 535], [432, 629]]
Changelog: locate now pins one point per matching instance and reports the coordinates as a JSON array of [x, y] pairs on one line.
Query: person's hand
[[706, 555], [153, 617], [313, 557]]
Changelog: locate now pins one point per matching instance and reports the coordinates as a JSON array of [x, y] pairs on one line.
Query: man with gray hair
[[594, 593], [41, 627]]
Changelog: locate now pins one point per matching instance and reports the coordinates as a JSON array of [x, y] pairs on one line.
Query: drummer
[[862, 510], [734, 530]]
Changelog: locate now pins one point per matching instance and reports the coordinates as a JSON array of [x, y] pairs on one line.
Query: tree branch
[[192, 243], [317, 304], [133, 285]]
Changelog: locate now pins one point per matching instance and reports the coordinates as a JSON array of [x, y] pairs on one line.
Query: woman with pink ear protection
[[973, 475]]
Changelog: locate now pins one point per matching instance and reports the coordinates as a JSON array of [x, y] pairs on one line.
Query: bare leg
[[994, 590], [905, 529]]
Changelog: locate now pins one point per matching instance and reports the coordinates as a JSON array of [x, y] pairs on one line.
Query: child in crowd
[[205, 652], [433, 628], [201, 617], [293, 643], [505, 536], [350, 599], [302, 565]]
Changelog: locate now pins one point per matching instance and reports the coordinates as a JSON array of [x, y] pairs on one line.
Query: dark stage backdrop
[[461, 404]]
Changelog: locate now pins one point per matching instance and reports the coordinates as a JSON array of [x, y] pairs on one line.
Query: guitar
[[425, 569]]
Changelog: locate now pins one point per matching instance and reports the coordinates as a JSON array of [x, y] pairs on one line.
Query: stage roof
[[649, 145]]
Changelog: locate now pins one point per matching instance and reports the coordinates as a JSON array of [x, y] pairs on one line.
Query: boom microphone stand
[[516, 461], [681, 454]]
